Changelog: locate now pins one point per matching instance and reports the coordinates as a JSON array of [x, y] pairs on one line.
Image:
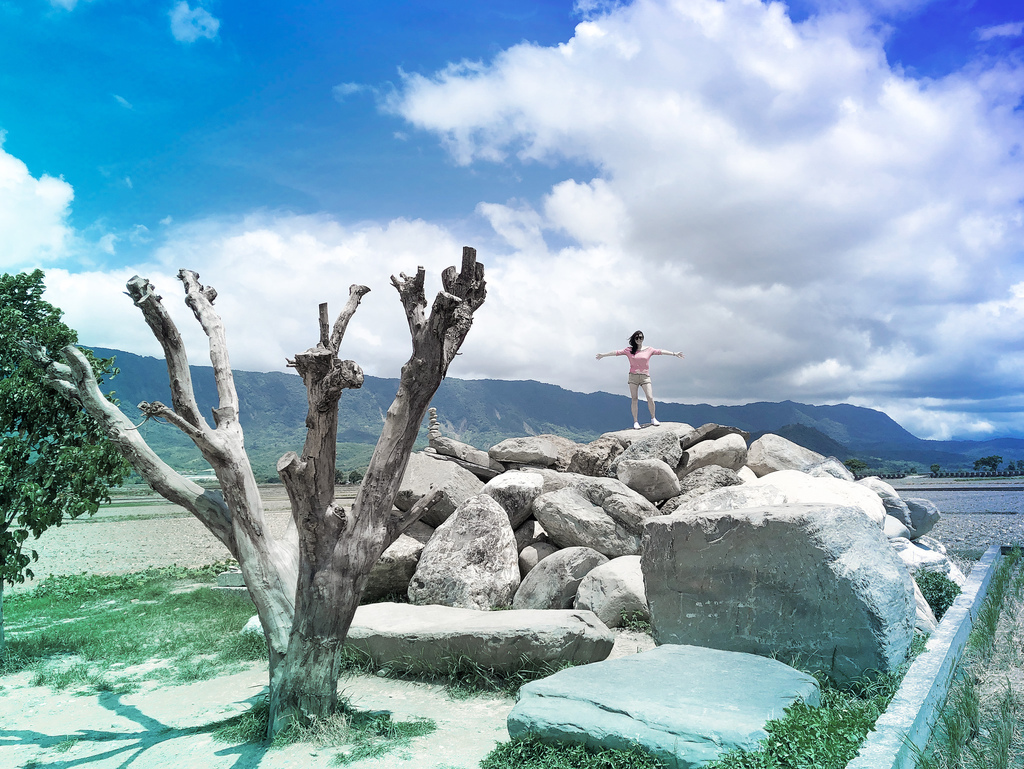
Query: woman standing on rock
[[639, 371]]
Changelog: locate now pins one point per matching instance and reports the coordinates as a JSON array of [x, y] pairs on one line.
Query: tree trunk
[[306, 588]]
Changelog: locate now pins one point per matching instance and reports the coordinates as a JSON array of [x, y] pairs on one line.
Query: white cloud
[[123, 101], [1011, 29], [33, 215], [772, 197], [344, 90], [190, 24]]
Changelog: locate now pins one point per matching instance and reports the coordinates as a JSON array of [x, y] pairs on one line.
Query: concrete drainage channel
[[908, 722]]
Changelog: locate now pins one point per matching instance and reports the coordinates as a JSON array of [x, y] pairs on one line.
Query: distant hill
[[485, 411]]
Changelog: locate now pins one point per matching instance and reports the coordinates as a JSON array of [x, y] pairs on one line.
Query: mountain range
[[483, 412]]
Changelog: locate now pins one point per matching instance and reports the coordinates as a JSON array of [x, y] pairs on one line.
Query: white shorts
[[639, 379]]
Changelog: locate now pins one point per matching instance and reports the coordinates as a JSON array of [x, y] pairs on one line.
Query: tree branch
[[157, 318], [200, 299], [355, 296]]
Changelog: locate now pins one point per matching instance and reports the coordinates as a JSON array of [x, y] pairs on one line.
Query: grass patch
[[533, 754], [638, 622], [979, 726], [358, 733], [459, 675], [75, 631], [938, 590]]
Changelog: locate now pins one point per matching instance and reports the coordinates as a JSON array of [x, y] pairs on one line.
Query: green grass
[[459, 675], [77, 631], [938, 590], [358, 733], [533, 754], [973, 732]]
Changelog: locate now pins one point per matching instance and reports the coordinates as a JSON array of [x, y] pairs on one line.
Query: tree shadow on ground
[[132, 745]]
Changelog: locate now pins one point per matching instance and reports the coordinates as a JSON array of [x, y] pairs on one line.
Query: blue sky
[[820, 201]]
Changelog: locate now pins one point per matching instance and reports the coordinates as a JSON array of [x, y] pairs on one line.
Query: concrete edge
[[908, 721]]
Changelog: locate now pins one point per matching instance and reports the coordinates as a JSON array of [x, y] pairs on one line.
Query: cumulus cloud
[[772, 197], [33, 215], [190, 24], [1011, 29]]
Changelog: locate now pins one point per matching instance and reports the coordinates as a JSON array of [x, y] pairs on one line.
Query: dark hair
[[633, 344]]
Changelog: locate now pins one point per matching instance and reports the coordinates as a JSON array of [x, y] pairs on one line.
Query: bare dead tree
[[306, 586]]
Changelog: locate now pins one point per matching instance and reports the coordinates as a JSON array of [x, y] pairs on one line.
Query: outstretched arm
[[607, 354], [668, 352]]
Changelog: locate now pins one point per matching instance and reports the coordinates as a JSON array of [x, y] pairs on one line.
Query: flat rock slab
[[685, 704], [428, 637]]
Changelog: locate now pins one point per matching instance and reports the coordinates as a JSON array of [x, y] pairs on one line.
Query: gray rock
[[925, 618], [471, 561], [596, 457], [614, 589], [651, 478], [729, 451], [629, 437], [530, 533], [832, 467], [625, 506], [705, 479], [426, 472], [710, 432], [918, 557], [531, 555], [790, 487], [252, 626], [565, 448], [572, 520], [452, 448], [662, 445], [894, 528], [394, 569], [530, 450], [810, 582], [684, 704], [515, 492], [894, 505], [430, 637], [232, 578], [745, 474], [771, 452], [552, 583], [923, 516]]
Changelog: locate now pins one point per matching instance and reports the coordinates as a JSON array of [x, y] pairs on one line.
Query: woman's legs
[[650, 401], [633, 393]]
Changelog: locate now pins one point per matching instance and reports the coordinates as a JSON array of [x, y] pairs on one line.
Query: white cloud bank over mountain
[[775, 200]]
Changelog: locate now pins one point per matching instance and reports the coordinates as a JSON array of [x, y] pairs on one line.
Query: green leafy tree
[[935, 469], [55, 460], [856, 466], [988, 463], [355, 476]]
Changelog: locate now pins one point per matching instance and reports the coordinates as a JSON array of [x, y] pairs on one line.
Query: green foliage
[[856, 466], [936, 469], [988, 463], [637, 622], [533, 754], [356, 476], [55, 461], [938, 590]]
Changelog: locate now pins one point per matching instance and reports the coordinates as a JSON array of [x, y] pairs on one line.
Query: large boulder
[[710, 432], [471, 561], [394, 569], [625, 506], [596, 457], [614, 590], [572, 520], [515, 492], [552, 583], [565, 448], [629, 437], [530, 533], [700, 482], [894, 528], [530, 450], [923, 556], [430, 638], [923, 516], [426, 472], [661, 445], [815, 583], [450, 447], [771, 452], [926, 622], [832, 467], [651, 478], [684, 704], [787, 487], [729, 451], [894, 505], [531, 555]]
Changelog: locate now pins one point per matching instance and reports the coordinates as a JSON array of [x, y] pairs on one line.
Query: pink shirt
[[641, 362]]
